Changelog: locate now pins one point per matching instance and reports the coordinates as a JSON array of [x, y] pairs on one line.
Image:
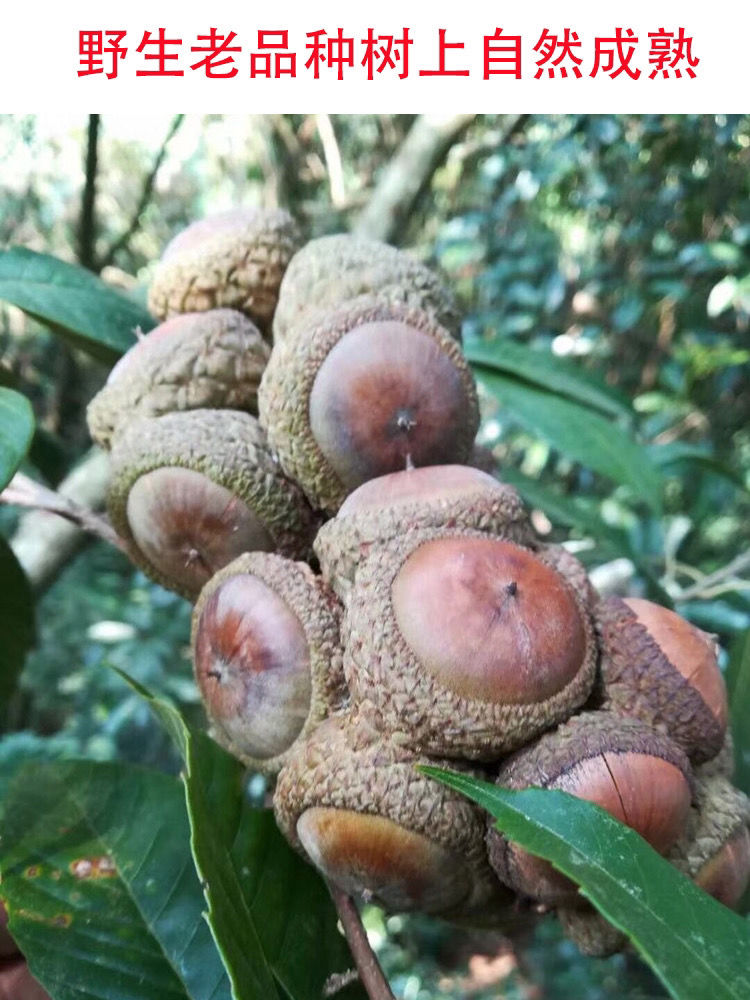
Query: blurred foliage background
[[621, 243]]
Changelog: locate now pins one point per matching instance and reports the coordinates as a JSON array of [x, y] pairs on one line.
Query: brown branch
[[25, 492], [370, 973], [87, 222], [43, 543], [147, 190], [408, 173]]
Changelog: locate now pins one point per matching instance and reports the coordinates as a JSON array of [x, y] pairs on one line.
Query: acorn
[[634, 772], [714, 850], [658, 667], [234, 259], [195, 361], [191, 491], [331, 270], [466, 645], [372, 389], [353, 802], [394, 505], [591, 932], [267, 656]]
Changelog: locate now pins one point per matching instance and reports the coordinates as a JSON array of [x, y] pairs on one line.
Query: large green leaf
[[101, 889], [71, 301], [271, 913], [581, 434], [16, 431], [696, 946], [544, 369], [16, 621], [682, 456]]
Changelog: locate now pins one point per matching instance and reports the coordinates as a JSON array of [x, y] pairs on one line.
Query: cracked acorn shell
[[623, 765], [714, 850], [195, 361], [354, 803], [331, 270], [394, 505], [267, 656], [191, 491], [658, 667], [371, 389], [466, 645], [235, 259]]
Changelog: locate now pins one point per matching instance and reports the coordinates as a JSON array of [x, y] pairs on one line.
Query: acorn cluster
[[292, 450]]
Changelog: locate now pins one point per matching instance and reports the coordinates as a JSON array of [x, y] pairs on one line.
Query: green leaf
[[547, 371], [738, 690], [581, 434], [271, 914], [575, 512], [17, 625], [72, 302], [687, 457], [100, 886], [16, 431], [696, 946]]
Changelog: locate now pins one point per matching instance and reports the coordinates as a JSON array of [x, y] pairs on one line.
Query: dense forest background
[[621, 243]]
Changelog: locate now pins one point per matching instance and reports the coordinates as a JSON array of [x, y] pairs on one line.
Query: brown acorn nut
[[372, 389], [714, 850], [191, 491], [234, 259], [593, 935], [267, 656], [466, 645], [331, 270], [394, 505], [195, 361], [353, 801], [634, 772], [658, 667]]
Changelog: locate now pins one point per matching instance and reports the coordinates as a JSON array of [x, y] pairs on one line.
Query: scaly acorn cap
[[623, 765], [354, 803], [714, 850], [331, 270], [267, 656], [191, 491], [234, 259], [371, 389], [722, 764], [466, 645], [658, 667], [395, 505], [590, 932], [195, 361]]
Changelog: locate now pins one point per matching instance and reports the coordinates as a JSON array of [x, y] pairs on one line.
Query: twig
[[707, 583], [370, 973], [147, 190], [25, 492], [332, 155]]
